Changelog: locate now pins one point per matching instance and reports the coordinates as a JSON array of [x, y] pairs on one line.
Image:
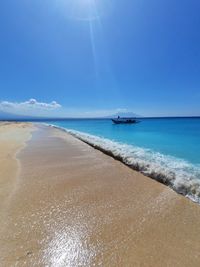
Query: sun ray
[[94, 53]]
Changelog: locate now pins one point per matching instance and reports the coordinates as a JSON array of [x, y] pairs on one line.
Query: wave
[[179, 174]]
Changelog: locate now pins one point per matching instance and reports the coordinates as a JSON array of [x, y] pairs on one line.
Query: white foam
[[179, 174]]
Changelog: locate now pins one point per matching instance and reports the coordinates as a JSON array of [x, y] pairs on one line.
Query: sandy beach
[[63, 203], [13, 137]]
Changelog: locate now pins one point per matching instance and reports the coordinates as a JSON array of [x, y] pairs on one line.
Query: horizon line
[[91, 118]]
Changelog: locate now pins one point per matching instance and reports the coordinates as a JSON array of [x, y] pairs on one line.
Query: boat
[[125, 120]]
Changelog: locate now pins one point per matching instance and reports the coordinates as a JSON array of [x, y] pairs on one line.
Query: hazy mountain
[[124, 114], [10, 116]]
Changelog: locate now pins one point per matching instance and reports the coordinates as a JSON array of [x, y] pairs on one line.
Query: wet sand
[[12, 138], [75, 206]]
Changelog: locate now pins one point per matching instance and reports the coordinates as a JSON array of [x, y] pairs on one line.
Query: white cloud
[[32, 107], [29, 104]]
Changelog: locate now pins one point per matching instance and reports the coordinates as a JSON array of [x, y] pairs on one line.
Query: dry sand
[[75, 206]]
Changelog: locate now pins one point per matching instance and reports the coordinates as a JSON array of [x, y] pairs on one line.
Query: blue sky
[[97, 57]]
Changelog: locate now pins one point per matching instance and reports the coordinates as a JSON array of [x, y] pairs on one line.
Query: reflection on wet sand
[[75, 206]]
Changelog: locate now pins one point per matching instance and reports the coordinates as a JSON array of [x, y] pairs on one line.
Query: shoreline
[[75, 206], [189, 189], [13, 138]]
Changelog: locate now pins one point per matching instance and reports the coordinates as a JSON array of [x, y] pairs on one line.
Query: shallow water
[[176, 137], [164, 149]]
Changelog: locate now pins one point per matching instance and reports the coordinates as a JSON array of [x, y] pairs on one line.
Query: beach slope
[[75, 206]]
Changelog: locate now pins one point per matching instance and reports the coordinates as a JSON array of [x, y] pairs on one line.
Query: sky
[[87, 58]]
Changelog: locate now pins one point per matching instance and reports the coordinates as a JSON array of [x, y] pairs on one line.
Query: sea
[[165, 149]]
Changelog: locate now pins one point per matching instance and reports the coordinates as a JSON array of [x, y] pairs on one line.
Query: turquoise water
[[157, 147], [176, 137]]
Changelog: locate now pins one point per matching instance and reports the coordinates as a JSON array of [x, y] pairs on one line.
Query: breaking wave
[[179, 174]]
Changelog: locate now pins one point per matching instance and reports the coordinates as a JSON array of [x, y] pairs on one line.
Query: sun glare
[[91, 12], [86, 10]]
